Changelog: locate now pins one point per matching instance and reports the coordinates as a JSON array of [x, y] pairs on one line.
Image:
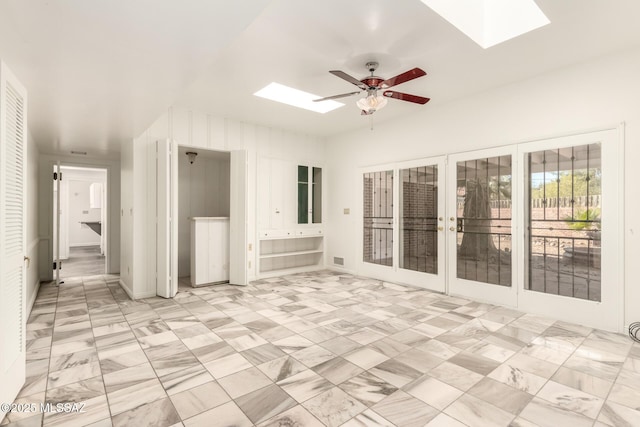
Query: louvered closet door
[[13, 116]]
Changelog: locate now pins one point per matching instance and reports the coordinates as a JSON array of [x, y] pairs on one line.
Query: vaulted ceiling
[[99, 72]]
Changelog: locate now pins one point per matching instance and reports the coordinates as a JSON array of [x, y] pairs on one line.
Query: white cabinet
[[95, 195], [289, 211], [276, 194], [209, 250]]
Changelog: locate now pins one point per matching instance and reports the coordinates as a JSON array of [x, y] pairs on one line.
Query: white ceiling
[[99, 72]]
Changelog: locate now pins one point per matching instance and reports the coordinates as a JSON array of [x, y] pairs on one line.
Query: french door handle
[[27, 260]]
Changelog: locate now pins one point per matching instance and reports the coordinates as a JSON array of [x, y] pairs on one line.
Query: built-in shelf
[[289, 251], [296, 253]]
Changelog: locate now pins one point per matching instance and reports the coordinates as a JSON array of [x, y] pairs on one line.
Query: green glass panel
[[303, 173], [303, 203], [316, 196]]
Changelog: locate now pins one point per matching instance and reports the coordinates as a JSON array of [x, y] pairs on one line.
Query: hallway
[[82, 262]]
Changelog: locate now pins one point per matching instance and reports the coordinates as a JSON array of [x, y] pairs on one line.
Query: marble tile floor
[[317, 349], [83, 261]]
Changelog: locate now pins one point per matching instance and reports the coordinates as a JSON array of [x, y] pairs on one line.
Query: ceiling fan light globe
[[372, 103]]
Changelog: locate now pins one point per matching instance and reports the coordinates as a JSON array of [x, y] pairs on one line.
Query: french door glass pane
[[418, 216], [316, 195], [378, 217], [564, 221], [303, 194], [483, 209]]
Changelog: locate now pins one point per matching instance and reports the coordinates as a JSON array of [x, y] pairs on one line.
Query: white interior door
[[238, 218], [480, 225], [403, 223], [13, 154], [573, 227], [167, 218]]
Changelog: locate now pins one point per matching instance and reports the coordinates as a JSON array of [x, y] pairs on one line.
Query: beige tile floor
[[321, 349]]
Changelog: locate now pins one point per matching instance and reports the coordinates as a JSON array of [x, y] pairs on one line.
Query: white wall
[[203, 190], [199, 130], [33, 277], [598, 94], [45, 209], [126, 216]]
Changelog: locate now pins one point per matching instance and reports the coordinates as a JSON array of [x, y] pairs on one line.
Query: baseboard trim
[[133, 295], [145, 295], [83, 245], [126, 288], [33, 298], [339, 269]]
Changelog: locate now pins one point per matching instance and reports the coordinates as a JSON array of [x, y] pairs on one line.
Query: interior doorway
[[79, 221], [203, 216], [228, 253]]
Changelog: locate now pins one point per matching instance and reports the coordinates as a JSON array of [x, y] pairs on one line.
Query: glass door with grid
[[403, 223], [572, 223], [480, 225]]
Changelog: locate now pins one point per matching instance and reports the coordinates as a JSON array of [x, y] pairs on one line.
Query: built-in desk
[[209, 250], [94, 225]]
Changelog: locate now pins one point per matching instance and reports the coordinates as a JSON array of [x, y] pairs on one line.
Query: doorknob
[[440, 228], [452, 229], [452, 218]]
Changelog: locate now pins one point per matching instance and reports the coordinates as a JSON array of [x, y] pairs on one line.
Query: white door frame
[[238, 218], [609, 312], [496, 294], [91, 164], [167, 218]]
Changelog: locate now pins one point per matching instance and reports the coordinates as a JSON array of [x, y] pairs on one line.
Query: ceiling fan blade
[[402, 78], [406, 97], [336, 96], [348, 78]]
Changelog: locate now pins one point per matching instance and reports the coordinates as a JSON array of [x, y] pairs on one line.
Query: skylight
[[489, 22], [296, 98]]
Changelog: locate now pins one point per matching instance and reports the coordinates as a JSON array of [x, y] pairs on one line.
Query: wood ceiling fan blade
[[350, 79], [344, 95], [402, 78], [406, 97]]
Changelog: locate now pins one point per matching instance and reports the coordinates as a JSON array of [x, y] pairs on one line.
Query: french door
[[403, 223], [571, 247], [535, 226], [481, 226]]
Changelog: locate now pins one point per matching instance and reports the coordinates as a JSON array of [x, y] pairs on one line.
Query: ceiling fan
[[372, 84]]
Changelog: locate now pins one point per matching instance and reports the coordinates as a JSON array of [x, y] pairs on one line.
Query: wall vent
[[338, 260]]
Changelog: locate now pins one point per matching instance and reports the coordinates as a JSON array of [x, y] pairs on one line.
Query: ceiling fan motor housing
[[372, 82]]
